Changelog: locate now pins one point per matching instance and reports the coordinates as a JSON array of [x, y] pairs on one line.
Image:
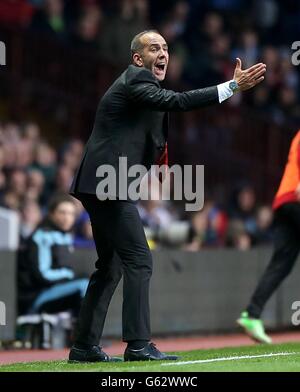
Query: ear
[[137, 60]]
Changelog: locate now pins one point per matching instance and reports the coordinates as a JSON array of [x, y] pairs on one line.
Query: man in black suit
[[131, 122]]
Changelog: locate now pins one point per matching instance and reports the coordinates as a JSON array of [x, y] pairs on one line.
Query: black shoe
[[148, 353], [93, 354]]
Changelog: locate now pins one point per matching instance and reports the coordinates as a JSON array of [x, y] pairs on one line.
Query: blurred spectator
[[31, 133], [174, 27], [288, 107], [10, 200], [212, 26], [88, 28], [266, 13], [243, 208], [264, 229], [45, 161], [31, 216], [208, 227], [261, 100], [217, 223], [175, 68], [237, 236], [83, 232], [64, 177], [70, 160], [83, 236], [248, 49], [45, 282], [50, 19], [199, 227], [271, 57], [29, 176], [76, 147], [35, 186], [24, 154], [119, 29], [155, 214], [201, 67], [17, 182], [220, 56], [16, 189]]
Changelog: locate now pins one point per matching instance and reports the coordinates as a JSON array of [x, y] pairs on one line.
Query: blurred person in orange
[[286, 206]]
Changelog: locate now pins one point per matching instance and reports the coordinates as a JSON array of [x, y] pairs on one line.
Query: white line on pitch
[[228, 359]]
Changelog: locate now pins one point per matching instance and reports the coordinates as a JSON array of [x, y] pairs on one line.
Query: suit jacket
[[132, 121]]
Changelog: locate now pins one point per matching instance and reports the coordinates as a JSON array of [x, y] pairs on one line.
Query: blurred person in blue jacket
[[45, 282]]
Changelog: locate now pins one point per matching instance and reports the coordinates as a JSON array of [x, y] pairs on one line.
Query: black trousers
[[287, 247], [122, 250]]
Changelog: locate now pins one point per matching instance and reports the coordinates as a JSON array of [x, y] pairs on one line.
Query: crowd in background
[[32, 171], [204, 39]]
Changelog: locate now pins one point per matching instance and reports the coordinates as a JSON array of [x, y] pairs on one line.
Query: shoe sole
[[244, 329], [138, 360], [74, 361]]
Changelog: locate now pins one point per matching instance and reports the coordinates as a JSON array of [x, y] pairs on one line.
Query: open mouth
[[160, 68]]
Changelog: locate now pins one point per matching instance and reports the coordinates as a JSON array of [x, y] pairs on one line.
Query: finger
[[255, 66], [259, 80], [255, 71], [255, 82], [238, 63], [258, 73]]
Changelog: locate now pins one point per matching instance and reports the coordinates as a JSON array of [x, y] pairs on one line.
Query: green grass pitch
[[280, 357]]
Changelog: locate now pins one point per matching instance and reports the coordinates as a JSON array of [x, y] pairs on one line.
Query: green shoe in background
[[254, 328]]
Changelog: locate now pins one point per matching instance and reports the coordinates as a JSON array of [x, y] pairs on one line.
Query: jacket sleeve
[[40, 259], [144, 89]]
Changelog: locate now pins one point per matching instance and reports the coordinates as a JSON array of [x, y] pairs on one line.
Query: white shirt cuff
[[224, 91]]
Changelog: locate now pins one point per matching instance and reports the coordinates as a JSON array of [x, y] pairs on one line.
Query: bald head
[[137, 43], [150, 50]]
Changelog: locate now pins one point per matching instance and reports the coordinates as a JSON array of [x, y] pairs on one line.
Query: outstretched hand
[[249, 77]]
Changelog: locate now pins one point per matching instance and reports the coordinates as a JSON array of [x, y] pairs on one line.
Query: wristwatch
[[233, 86]]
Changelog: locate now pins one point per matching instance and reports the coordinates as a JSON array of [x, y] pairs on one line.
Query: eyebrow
[[158, 45]]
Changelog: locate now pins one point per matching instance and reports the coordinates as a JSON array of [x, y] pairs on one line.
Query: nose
[[162, 54]]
